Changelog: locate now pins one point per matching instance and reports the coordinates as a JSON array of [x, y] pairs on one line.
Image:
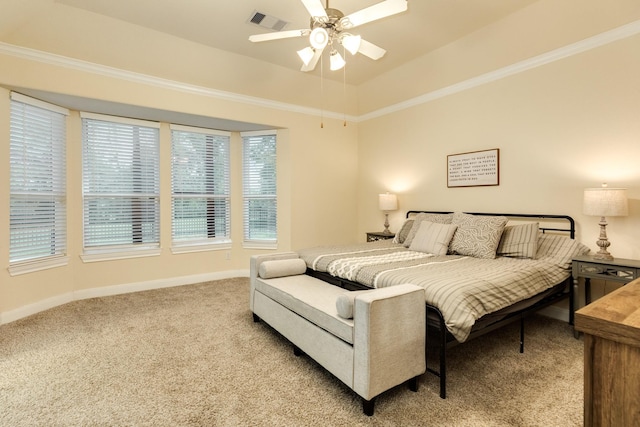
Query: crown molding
[[593, 42], [131, 76], [587, 44]]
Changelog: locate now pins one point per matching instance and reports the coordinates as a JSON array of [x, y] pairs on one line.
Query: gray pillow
[[282, 268], [519, 241], [433, 238], [477, 236], [559, 250], [437, 218], [344, 303], [401, 235]]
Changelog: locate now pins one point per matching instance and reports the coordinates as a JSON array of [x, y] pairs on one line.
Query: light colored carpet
[[192, 356]]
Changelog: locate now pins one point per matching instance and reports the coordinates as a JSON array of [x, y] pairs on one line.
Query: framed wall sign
[[477, 168]]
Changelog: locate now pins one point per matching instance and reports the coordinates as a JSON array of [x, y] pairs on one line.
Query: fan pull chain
[[321, 93], [344, 89]]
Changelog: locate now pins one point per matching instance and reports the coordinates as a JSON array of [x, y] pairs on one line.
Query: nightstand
[[374, 236], [616, 270]]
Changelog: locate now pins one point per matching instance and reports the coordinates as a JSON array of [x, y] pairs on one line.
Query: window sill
[[111, 256], [259, 245], [33, 266], [201, 247]]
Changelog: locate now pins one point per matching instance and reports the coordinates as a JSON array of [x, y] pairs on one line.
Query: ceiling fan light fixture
[[319, 38], [306, 55], [351, 43], [336, 61]]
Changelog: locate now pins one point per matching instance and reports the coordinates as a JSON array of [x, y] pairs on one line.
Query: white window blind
[[37, 224], [200, 186], [120, 183], [259, 187]]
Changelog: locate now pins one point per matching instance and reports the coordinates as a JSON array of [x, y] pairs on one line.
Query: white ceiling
[[224, 24]]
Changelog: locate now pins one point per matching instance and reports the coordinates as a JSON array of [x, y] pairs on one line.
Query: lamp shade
[[605, 201], [387, 202]]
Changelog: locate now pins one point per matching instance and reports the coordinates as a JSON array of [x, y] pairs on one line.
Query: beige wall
[[305, 152], [561, 126]]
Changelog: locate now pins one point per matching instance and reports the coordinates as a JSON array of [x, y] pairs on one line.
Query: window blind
[[37, 205], [259, 187], [200, 184], [120, 182]]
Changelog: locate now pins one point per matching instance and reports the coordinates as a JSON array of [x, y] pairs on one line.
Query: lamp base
[[603, 243], [386, 223]]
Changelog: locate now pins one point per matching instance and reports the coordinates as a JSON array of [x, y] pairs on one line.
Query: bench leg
[[297, 351], [413, 384], [368, 406]]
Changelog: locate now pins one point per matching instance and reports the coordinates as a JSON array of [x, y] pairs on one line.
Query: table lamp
[[604, 202], [387, 202]]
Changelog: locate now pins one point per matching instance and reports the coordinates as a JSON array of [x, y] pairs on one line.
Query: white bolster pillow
[[344, 303], [282, 268]]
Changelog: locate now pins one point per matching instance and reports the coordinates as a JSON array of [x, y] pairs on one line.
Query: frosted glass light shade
[[605, 202], [319, 38], [351, 43], [336, 61], [387, 202], [306, 55]]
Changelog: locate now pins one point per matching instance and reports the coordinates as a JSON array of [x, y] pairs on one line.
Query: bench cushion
[[310, 298]]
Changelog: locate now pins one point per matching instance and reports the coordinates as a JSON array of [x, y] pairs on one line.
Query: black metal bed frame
[[436, 328]]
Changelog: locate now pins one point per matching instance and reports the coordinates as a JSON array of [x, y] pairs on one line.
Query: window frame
[[138, 247], [210, 241], [248, 186], [52, 171]]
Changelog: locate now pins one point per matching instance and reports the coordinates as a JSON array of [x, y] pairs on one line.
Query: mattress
[[463, 288]]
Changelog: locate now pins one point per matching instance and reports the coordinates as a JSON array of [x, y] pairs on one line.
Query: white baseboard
[[46, 304]]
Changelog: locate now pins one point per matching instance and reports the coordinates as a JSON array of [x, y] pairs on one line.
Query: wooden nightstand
[[374, 236], [616, 270]]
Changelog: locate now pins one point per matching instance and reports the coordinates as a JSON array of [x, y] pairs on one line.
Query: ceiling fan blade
[[373, 13], [315, 8], [371, 50], [314, 60], [278, 35]]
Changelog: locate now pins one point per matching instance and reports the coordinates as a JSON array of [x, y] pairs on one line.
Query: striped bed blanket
[[463, 288]]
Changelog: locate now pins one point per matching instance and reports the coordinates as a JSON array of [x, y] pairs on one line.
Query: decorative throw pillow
[[519, 241], [559, 249], [433, 238], [477, 236], [282, 268], [401, 235], [437, 218], [345, 302]]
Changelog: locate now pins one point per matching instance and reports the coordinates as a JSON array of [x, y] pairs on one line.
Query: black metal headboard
[[556, 223]]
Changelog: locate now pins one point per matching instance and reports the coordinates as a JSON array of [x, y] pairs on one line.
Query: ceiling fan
[[330, 27]]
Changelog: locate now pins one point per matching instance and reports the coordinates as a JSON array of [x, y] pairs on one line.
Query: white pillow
[[344, 303], [282, 267], [433, 238]]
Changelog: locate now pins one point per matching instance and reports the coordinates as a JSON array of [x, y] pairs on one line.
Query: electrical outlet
[[228, 256]]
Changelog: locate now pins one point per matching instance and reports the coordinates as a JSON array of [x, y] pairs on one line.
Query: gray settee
[[371, 340]]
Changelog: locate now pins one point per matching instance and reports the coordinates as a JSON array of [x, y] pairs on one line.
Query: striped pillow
[[433, 238], [519, 241], [437, 218]]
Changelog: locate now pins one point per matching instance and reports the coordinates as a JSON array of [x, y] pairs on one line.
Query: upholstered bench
[[371, 340]]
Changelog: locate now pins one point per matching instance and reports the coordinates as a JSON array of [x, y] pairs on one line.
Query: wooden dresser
[[611, 327]]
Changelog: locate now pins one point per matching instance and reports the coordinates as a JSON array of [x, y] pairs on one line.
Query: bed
[[480, 271]]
